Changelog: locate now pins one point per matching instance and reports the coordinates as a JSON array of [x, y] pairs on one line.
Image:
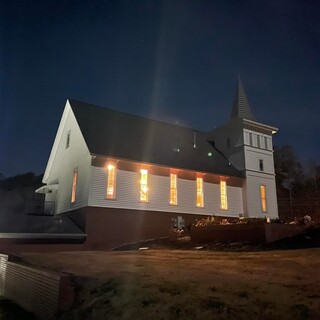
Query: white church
[[123, 178]]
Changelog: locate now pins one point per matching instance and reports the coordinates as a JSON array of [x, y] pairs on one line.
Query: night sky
[[176, 61]]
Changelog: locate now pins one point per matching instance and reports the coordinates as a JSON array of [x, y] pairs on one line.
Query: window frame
[[261, 165], [223, 195], [144, 194], [263, 198], [173, 189], [68, 139], [111, 181], [199, 192], [74, 185]]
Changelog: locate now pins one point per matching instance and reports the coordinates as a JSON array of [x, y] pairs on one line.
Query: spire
[[241, 108]]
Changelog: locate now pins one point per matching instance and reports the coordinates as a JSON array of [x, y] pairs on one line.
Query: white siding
[[127, 194], [64, 161], [253, 183], [252, 156]]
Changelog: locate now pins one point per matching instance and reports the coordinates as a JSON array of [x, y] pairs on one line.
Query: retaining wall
[[40, 292], [254, 233]]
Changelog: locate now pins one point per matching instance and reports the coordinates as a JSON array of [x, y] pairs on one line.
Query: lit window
[[144, 185], [74, 185], [263, 198], [111, 183], [68, 139], [223, 195], [173, 189], [261, 165], [199, 192]]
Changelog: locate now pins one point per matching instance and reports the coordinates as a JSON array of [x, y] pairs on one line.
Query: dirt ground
[[189, 284]]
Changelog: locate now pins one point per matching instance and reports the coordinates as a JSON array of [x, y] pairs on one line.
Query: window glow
[[144, 185], [199, 192], [263, 198], [111, 183], [223, 195], [173, 189], [74, 185]]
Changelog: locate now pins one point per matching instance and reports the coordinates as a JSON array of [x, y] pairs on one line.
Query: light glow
[[223, 195], [111, 182], [144, 185], [74, 185], [173, 189], [263, 198], [199, 192]]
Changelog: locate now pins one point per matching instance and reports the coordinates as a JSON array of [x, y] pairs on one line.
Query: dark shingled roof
[[121, 135]]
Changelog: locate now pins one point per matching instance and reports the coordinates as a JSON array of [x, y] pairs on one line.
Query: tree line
[[302, 181]]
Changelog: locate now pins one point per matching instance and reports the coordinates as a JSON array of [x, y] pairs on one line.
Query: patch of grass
[[213, 303], [149, 302], [170, 288], [300, 311], [242, 294]]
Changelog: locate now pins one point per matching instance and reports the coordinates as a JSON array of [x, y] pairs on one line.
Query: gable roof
[[121, 135], [241, 107]]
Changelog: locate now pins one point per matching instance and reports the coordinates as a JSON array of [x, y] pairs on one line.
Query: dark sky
[[172, 60]]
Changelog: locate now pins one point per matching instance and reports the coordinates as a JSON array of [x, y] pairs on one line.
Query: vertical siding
[[127, 194], [65, 161]]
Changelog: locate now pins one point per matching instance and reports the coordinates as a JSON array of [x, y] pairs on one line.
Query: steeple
[[241, 108]]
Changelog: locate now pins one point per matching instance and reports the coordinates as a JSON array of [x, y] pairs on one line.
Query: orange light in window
[[74, 185], [223, 195], [263, 198], [144, 185], [111, 183], [173, 189], [199, 192]]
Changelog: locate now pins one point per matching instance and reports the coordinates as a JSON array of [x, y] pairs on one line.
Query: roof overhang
[[261, 126], [47, 188]]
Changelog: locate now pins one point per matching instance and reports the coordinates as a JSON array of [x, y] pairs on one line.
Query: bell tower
[[247, 144]]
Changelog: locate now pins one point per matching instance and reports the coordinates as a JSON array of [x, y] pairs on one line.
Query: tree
[[289, 171]]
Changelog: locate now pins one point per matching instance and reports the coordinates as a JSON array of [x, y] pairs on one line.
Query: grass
[[168, 284]]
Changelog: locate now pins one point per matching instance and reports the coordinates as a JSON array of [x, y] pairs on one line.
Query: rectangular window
[[223, 195], [258, 141], [266, 143], [261, 165], [68, 139], [263, 198], [199, 192], [111, 183], [144, 185], [250, 138], [74, 185], [173, 189]]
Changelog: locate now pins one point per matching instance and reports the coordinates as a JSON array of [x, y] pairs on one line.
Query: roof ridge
[[134, 115]]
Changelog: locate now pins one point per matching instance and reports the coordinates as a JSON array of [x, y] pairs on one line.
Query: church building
[[123, 178]]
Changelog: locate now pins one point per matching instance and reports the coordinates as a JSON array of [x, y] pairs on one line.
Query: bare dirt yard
[[186, 284]]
